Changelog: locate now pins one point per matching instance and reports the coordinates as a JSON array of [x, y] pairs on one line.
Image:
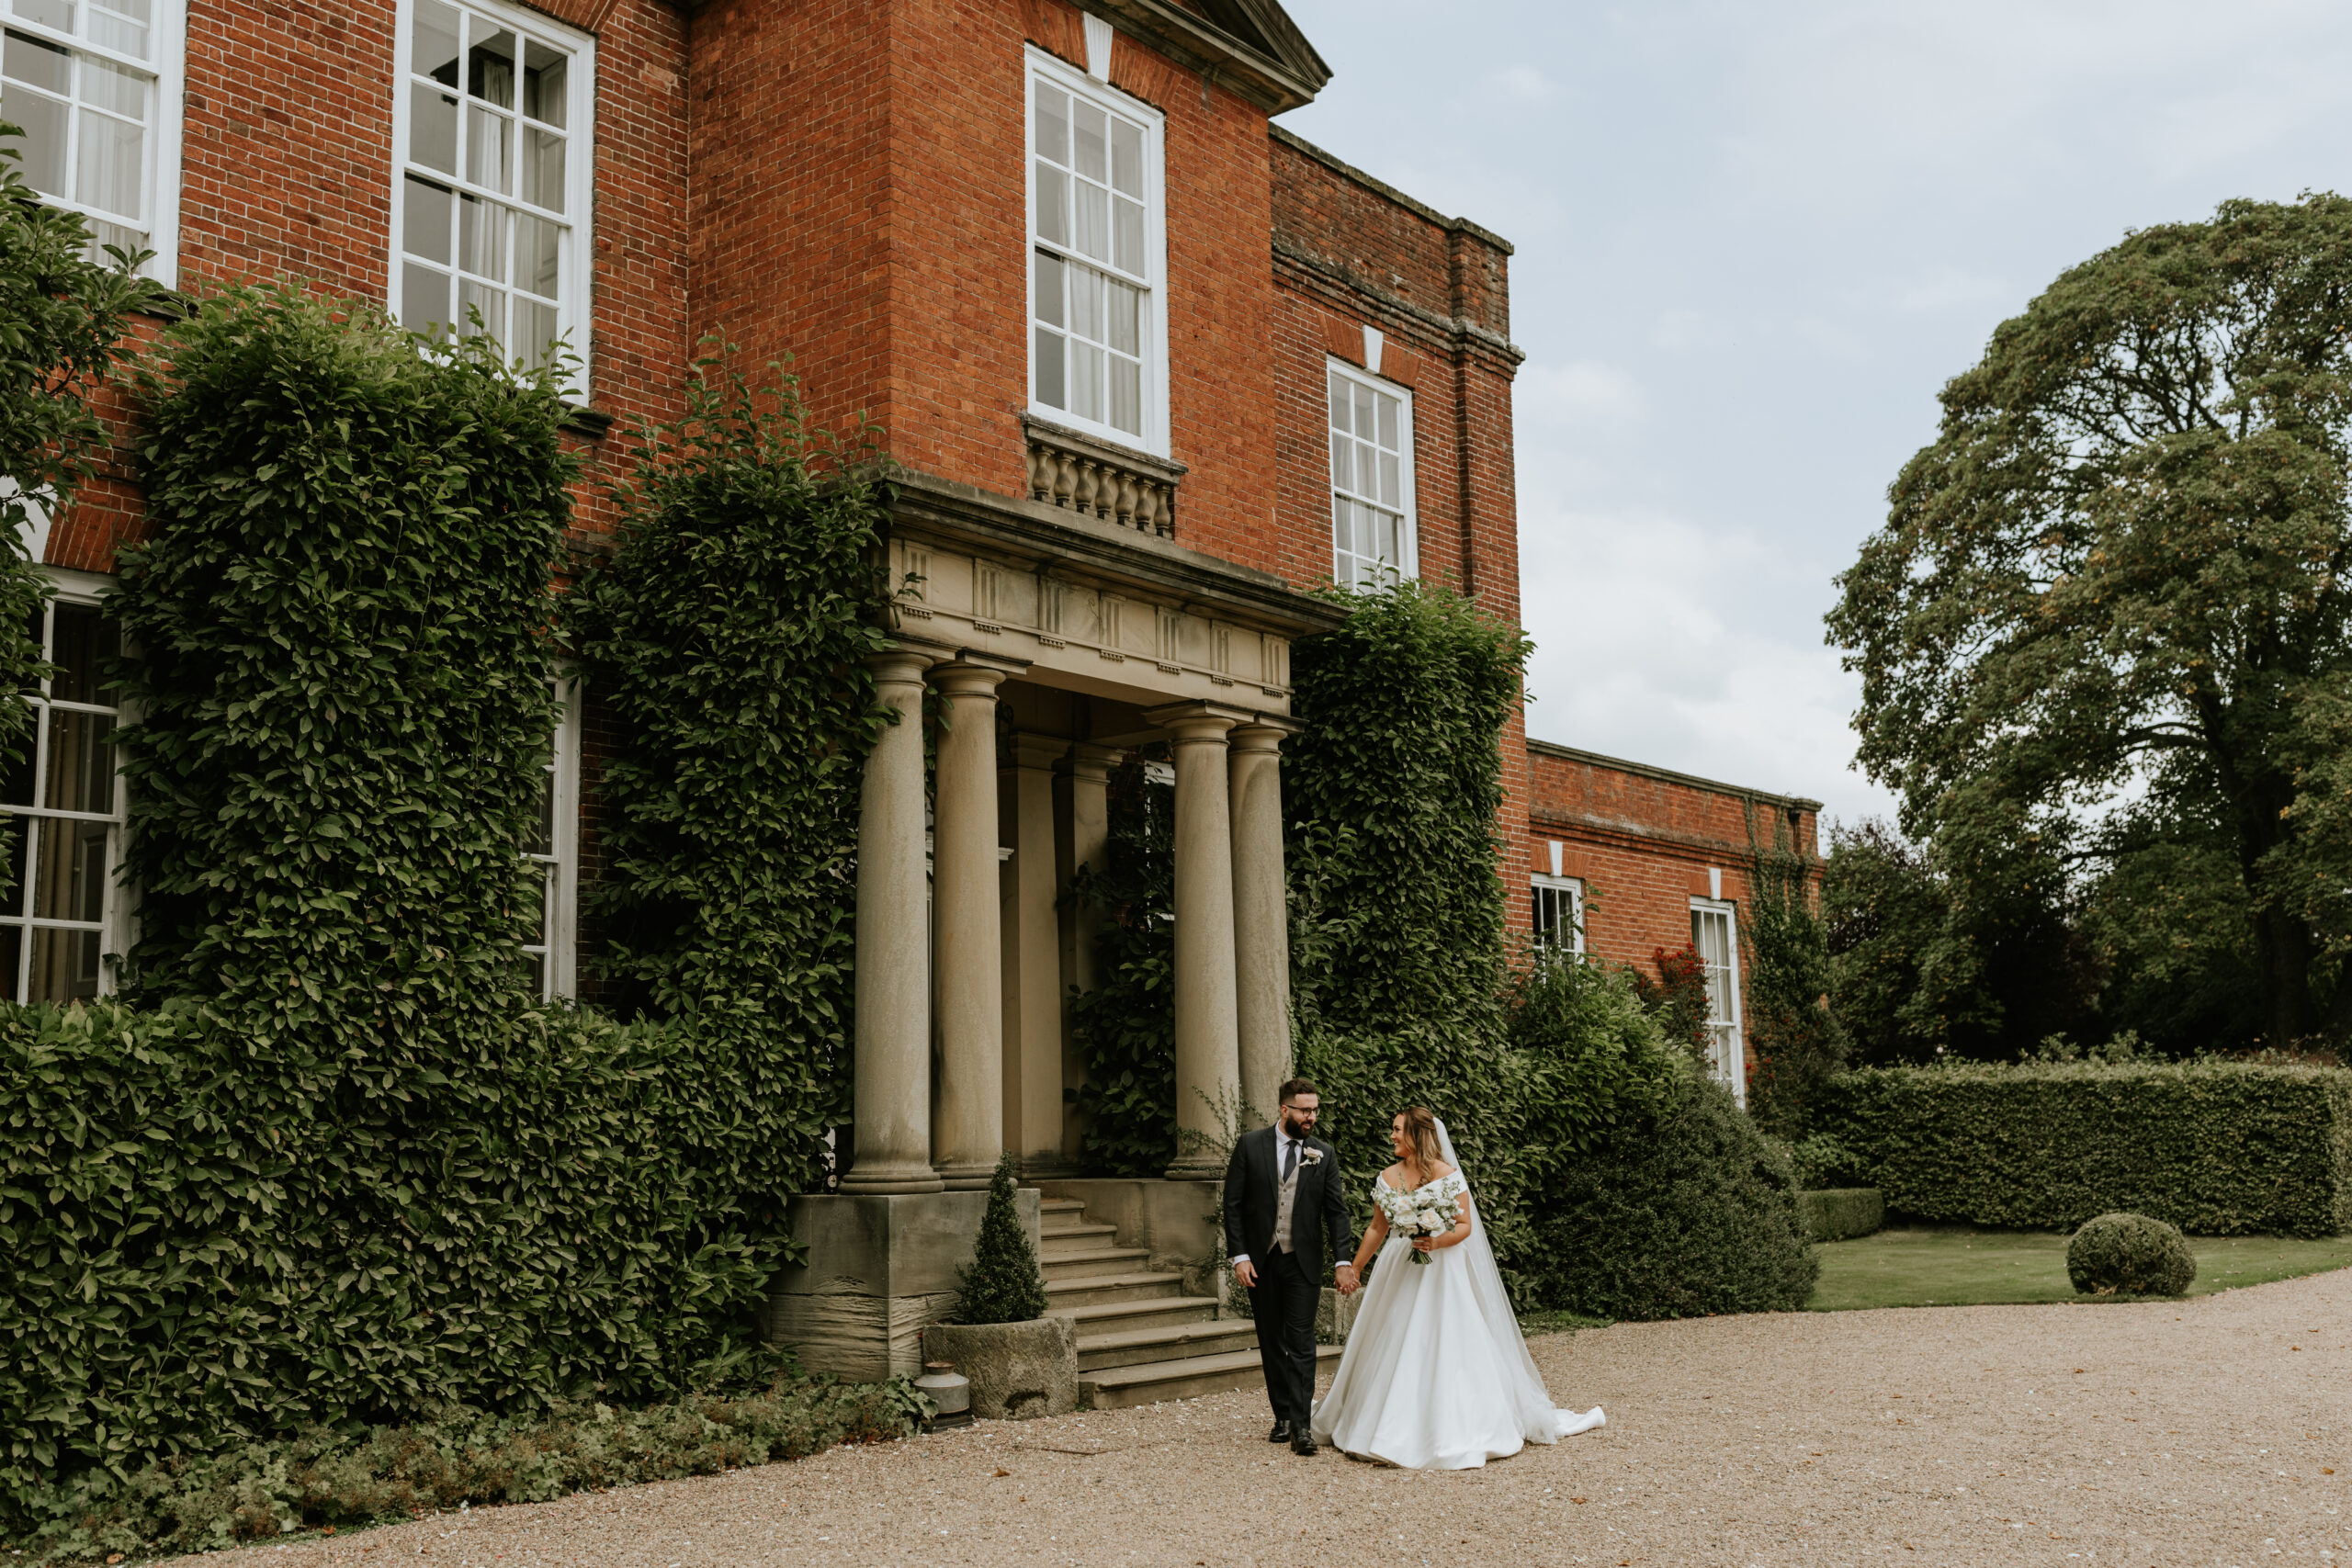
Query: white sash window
[[1372, 541], [1714, 936], [96, 86], [1558, 914], [549, 942]]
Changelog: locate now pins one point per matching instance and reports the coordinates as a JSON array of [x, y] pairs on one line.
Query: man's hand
[[1247, 1272], [1346, 1279]]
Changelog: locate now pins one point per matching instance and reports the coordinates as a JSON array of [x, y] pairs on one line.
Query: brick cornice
[[1451, 334], [1668, 775]]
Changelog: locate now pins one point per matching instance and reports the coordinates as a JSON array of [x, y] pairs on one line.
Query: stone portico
[[1051, 640]]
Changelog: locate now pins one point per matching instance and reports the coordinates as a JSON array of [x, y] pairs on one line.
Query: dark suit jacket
[[1253, 1191]]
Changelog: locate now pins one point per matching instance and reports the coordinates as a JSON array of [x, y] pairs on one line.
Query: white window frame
[[559, 911], [117, 907], [160, 179], [1727, 1033], [1408, 544], [1153, 334], [575, 307], [1566, 895]]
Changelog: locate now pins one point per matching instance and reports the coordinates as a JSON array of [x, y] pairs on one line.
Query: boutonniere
[[1309, 1154]]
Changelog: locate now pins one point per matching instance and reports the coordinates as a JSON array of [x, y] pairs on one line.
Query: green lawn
[[1959, 1266]]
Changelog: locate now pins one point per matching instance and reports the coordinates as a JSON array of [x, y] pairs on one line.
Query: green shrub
[[325, 1477], [2218, 1149], [1822, 1162], [726, 638], [1126, 1027], [1688, 1212], [1004, 1284], [1838, 1214], [2129, 1255]]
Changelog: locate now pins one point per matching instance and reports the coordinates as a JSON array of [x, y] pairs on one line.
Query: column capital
[[1196, 721], [968, 678], [1038, 753], [1264, 734], [1089, 760], [907, 657]]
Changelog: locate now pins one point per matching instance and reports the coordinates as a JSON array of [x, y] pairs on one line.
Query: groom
[[1283, 1202]]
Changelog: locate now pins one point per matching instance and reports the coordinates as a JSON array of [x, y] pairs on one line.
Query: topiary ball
[[2129, 1255]]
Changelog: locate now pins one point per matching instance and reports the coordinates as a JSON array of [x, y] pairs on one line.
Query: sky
[[1753, 241]]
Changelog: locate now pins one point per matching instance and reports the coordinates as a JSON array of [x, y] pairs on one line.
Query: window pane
[[490, 64], [1126, 396], [81, 764], [1086, 381], [1389, 409], [65, 966], [1053, 124], [425, 222], [1338, 403], [534, 973], [1092, 160], [543, 169], [58, 14], [113, 154], [432, 46], [1053, 204], [1125, 327], [1340, 447], [1128, 241], [1388, 485], [1093, 221], [109, 87], [1051, 390], [20, 831], [546, 78], [37, 63], [424, 298], [481, 237], [536, 331], [433, 130], [119, 25], [1086, 303], [538, 254], [489, 149], [42, 148], [71, 883], [12, 958], [1049, 289], [1384, 537], [84, 641], [489, 304], [1365, 421], [1127, 158], [17, 783], [1342, 531]]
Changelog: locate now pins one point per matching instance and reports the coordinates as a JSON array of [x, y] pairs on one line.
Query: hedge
[[2216, 1148], [1840, 1214]]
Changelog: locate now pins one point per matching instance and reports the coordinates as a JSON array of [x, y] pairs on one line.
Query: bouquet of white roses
[[1432, 1210]]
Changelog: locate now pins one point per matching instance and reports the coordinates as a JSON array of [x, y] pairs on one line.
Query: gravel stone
[[2142, 1433]]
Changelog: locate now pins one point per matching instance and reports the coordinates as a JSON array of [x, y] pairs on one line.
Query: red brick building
[[1152, 366]]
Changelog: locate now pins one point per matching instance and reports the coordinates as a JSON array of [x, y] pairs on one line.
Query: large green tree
[[2118, 573]]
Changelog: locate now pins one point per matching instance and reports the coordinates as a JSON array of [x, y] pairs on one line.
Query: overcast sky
[[1753, 241]]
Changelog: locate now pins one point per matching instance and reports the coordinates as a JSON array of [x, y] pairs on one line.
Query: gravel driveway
[[2197, 1432]]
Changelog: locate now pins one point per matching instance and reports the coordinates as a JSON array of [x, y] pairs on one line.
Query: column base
[[1050, 1166], [879, 1270], [1201, 1167], [878, 1179], [966, 1175]]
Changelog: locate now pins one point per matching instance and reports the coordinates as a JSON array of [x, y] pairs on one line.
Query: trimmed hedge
[[2129, 1255], [1840, 1214], [2216, 1148]]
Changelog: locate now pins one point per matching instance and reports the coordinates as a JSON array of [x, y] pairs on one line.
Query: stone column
[[967, 935], [1208, 1062], [1032, 966], [1083, 839], [892, 1066], [1261, 918]]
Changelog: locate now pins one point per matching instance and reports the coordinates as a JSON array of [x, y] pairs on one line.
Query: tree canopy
[[2110, 607]]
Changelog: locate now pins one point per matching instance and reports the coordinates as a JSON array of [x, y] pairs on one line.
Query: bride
[[1436, 1375]]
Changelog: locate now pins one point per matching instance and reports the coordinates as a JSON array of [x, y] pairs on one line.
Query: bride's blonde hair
[[1420, 1127]]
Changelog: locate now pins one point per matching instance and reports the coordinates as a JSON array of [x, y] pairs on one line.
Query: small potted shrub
[[1020, 1362], [2129, 1255]]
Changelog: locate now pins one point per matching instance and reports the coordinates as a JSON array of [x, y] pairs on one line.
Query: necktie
[[1290, 1157]]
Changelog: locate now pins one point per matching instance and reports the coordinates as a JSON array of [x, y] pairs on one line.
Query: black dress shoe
[[1281, 1434], [1304, 1443]]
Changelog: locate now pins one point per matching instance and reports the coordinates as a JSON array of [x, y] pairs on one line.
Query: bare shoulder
[[1440, 1171], [1393, 1175]]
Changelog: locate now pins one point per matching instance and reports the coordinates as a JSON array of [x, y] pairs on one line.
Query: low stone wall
[[1018, 1370], [1838, 1213]]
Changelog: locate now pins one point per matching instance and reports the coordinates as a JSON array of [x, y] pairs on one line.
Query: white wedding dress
[[1436, 1374]]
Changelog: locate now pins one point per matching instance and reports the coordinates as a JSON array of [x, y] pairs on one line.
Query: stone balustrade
[[1118, 484]]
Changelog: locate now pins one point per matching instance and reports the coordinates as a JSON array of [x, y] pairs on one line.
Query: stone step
[[1080, 1262], [1059, 1238], [1061, 1205], [1129, 1347], [1153, 1311], [1090, 1290], [1189, 1377]]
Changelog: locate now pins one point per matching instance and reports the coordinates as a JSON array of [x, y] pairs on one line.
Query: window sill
[[592, 423]]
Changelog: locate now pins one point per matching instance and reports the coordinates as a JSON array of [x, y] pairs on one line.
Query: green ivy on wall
[[726, 639], [1127, 1026]]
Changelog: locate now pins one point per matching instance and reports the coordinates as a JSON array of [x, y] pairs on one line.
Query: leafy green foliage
[[1004, 1284], [1126, 1027], [62, 319], [1794, 1042], [1692, 1211], [330, 1478], [1821, 1162], [2218, 1149], [2121, 568], [1676, 996], [342, 681], [727, 638], [2129, 1255]]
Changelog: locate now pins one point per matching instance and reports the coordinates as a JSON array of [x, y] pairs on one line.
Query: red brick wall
[[1643, 841]]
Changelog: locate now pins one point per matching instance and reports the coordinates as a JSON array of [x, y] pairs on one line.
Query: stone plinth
[[880, 1269], [1018, 1370]]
